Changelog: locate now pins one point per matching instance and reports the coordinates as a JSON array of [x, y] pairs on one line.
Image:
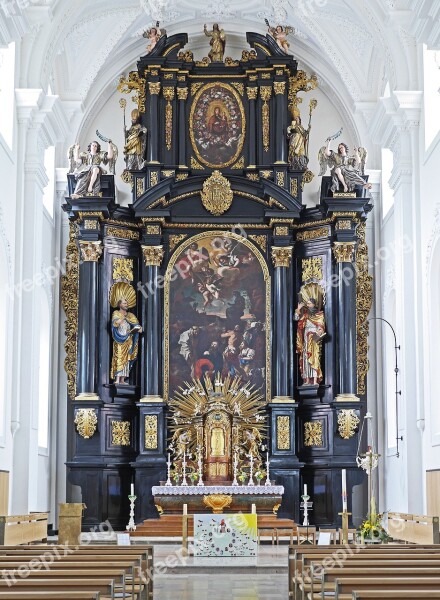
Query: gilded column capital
[[90, 251], [279, 87], [182, 93], [344, 251], [153, 255], [154, 87], [265, 92], [168, 92], [252, 93], [281, 256]]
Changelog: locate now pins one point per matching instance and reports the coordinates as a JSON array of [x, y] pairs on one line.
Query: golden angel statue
[[217, 42], [86, 166], [153, 35], [280, 33], [310, 332], [125, 331], [346, 169], [135, 143]]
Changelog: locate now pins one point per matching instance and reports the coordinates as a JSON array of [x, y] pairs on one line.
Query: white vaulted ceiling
[[355, 47]]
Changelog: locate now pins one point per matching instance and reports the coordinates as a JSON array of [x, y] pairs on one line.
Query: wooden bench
[[396, 594], [50, 595], [23, 529], [345, 586], [103, 586], [413, 528]]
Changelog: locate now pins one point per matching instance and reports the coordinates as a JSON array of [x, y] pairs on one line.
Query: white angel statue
[[153, 35], [86, 166], [345, 169], [280, 33]]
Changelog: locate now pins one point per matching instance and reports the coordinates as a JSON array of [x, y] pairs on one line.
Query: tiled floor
[[189, 578]]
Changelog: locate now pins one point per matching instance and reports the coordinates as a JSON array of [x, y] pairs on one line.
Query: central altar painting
[[217, 301]]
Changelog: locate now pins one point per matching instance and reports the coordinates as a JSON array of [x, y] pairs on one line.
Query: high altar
[[215, 318]]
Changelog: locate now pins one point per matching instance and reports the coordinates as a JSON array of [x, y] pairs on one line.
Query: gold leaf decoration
[[238, 86], [348, 422], [123, 269], [86, 421], [283, 432], [281, 256], [217, 194], [153, 255], [120, 433], [239, 164], [69, 300], [312, 234], [119, 232], [175, 239], [195, 164], [312, 268], [151, 432], [313, 433], [364, 300], [259, 240], [136, 84], [168, 93], [265, 92]]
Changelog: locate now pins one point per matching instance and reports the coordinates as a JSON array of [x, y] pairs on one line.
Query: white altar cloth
[[195, 490]]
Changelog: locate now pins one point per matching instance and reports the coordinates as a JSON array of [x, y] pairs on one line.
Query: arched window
[[7, 63], [431, 70], [44, 392]]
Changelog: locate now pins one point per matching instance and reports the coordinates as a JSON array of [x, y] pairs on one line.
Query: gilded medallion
[[217, 125]]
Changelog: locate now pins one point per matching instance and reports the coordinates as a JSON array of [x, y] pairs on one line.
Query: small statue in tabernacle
[[135, 143], [86, 166], [125, 332], [280, 33], [217, 42], [311, 330], [346, 170], [298, 141], [153, 35]]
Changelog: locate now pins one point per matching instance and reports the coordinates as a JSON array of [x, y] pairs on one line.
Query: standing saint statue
[[311, 330], [86, 166], [217, 42], [125, 331], [298, 141], [135, 143]]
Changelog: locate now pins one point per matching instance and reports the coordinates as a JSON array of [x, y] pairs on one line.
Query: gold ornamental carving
[[90, 251], [283, 432], [153, 229], [279, 87], [182, 93], [300, 82], [120, 433], [218, 502], [150, 426], [313, 433], [91, 224], [364, 300], [69, 300], [86, 421], [181, 176], [136, 84], [217, 194], [195, 164], [307, 178], [312, 234], [238, 86], [123, 269], [153, 255], [312, 268], [294, 188], [168, 173], [265, 174], [343, 224], [154, 87], [259, 240], [154, 178], [175, 239], [168, 93], [126, 234], [239, 164], [281, 231], [343, 251], [266, 93], [139, 187], [280, 178], [195, 87], [253, 176], [281, 256], [348, 422], [252, 93]]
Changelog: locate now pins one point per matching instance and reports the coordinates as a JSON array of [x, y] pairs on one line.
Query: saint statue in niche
[[86, 166], [125, 332], [309, 335], [135, 143]]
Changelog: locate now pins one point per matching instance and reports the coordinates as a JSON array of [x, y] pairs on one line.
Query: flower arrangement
[[259, 475], [175, 476], [243, 476], [372, 529], [193, 477]]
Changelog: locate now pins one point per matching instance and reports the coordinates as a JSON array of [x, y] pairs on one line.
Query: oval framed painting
[[217, 125]]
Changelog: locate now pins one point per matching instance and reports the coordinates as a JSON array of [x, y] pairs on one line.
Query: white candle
[[132, 490], [169, 458], [185, 509], [344, 489], [305, 490], [267, 457]]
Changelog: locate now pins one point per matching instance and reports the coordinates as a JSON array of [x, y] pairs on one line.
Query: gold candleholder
[[345, 516]]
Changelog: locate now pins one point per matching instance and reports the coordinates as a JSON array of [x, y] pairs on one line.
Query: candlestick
[[251, 471], [131, 524], [168, 482], [200, 465], [235, 482], [344, 490], [305, 489], [267, 482], [184, 481], [132, 489]]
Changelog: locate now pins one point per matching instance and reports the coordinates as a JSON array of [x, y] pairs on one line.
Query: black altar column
[[280, 142], [282, 384], [152, 323], [182, 95], [88, 333], [252, 93], [346, 319], [153, 151]]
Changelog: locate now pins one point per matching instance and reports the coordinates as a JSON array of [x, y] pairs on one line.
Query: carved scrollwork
[[283, 432], [281, 256], [344, 251], [153, 255], [312, 268], [86, 421], [69, 299], [217, 194], [150, 432], [364, 300], [123, 269], [348, 422], [120, 433], [313, 433]]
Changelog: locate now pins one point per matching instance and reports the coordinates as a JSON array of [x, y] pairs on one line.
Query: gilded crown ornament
[[217, 194]]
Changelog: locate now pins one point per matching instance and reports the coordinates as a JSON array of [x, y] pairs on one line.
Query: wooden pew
[[50, 596], [413, 528], [23, 529], [103, 586], [345, 586]]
